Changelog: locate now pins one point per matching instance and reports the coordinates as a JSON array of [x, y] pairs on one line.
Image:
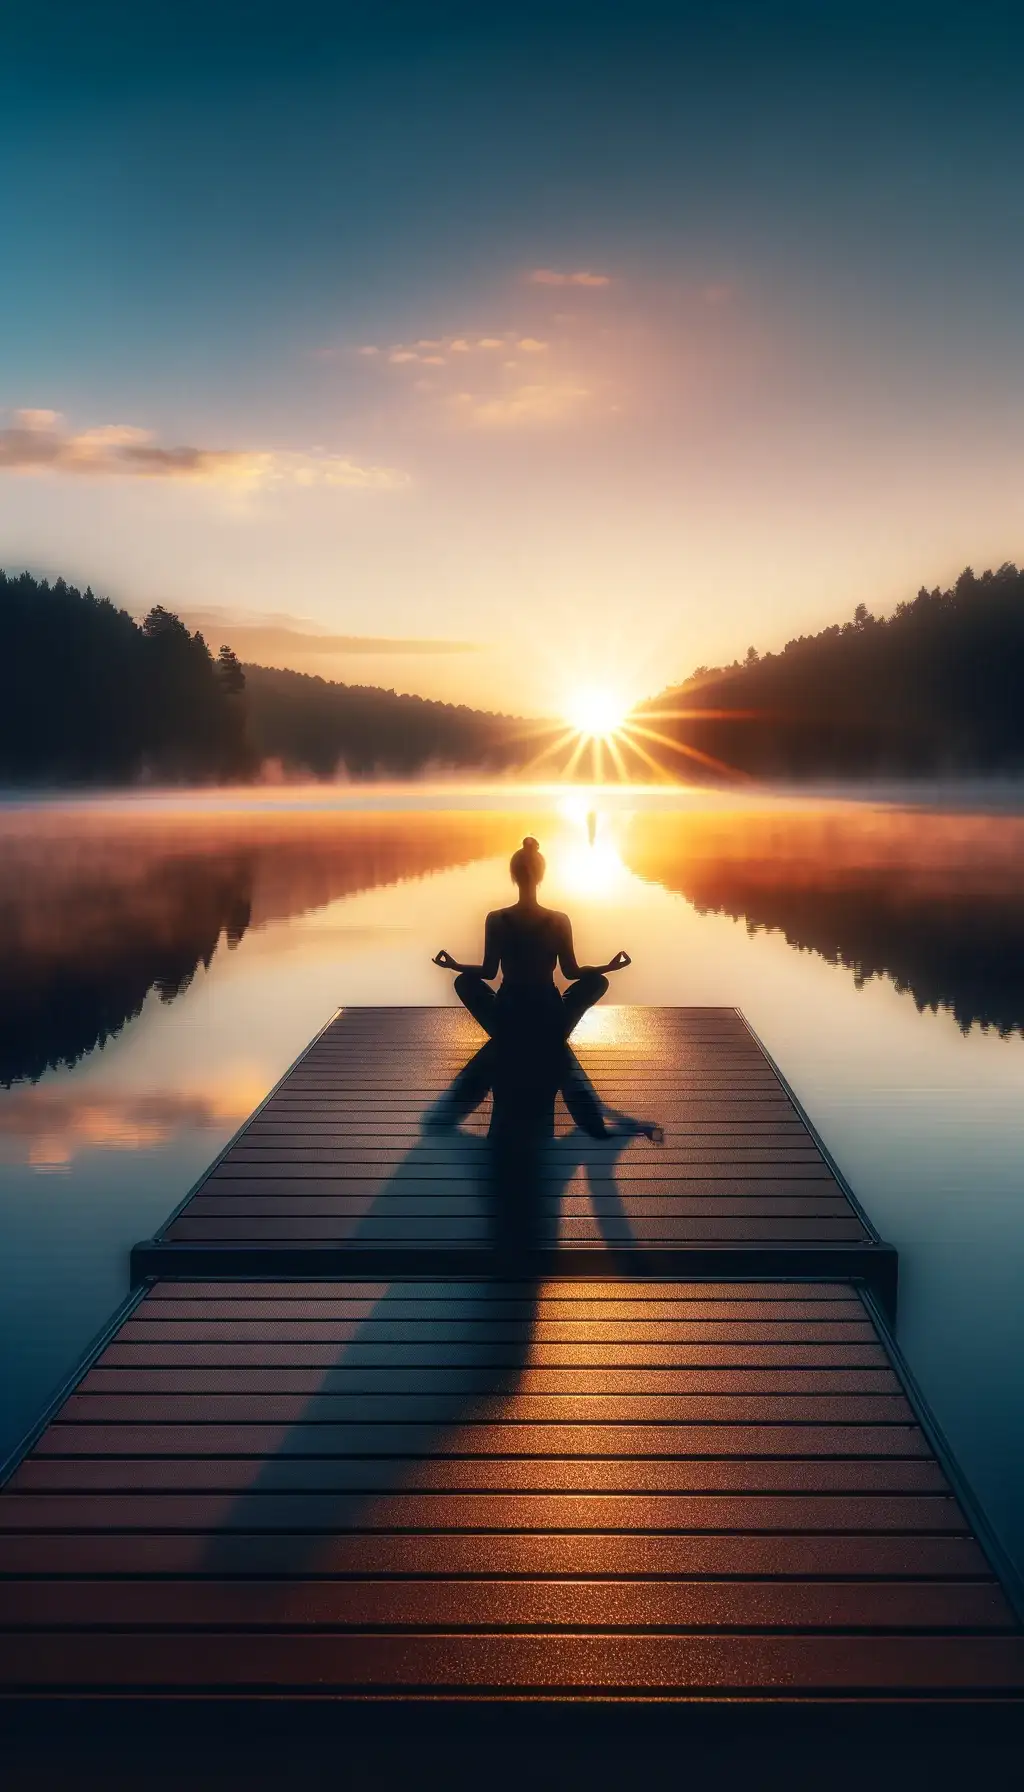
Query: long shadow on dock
[[392, 1402]]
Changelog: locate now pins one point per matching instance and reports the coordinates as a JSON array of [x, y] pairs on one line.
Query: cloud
[[38, 441], [531, 346], [527, 406], [581, 277], [275, 639], [424, 352], [49, 1127]]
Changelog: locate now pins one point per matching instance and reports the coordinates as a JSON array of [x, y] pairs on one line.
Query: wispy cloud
[[427, 352], [39, 441], [558, 277], [277, 639], [525, 406], [434, 351], [542, 373]]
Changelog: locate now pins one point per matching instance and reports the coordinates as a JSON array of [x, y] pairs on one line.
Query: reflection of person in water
[[528, 1018]]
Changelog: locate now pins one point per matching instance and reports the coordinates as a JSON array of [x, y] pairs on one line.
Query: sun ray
[[555, 746], [702, 715], [664, 775], [615, 753], [687, 752], [569, 771]]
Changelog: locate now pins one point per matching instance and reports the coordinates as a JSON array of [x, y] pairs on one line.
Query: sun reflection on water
[[586, 860]]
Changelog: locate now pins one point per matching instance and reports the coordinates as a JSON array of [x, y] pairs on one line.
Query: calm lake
[[163, 959]]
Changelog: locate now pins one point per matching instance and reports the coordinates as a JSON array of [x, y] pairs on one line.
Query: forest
[[90, 696], [934, 690]]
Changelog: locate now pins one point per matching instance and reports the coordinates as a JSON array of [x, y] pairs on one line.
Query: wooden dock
[[326, 1454], [346, 1157]]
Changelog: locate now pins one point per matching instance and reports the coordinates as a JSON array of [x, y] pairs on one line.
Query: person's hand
[[619, 962], [445, 960]]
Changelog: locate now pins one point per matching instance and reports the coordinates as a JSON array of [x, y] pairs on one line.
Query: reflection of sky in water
[[268, 915]]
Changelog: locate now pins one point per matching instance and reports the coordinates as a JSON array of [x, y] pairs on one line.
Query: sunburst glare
[[596, 712]]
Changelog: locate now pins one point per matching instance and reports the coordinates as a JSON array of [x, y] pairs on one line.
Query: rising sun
[[596, 712], [602, 735]]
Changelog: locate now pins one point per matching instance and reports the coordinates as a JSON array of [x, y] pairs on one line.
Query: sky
[[496, 353]]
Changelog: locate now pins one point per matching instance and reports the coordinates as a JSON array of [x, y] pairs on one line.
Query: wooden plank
[[449, 1409], [523, 1513], [370, 1662], [743, 1605], [471, 1205], [890, 1557], [472, 1352], [430, 1379], [398, 1333], [474, 1474], [450, 1233], [74, 1437]]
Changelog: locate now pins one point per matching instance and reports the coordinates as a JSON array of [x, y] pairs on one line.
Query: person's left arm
[[567, 957]]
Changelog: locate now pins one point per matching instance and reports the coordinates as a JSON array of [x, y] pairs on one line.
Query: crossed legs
[[481, 1000]]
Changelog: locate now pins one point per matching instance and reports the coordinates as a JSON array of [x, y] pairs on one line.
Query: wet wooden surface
[[495, 1489], [348, 1152]]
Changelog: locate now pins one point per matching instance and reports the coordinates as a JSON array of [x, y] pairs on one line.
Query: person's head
[[527, 865]]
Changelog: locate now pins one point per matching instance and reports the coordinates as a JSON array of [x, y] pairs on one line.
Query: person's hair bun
[[530, 844]]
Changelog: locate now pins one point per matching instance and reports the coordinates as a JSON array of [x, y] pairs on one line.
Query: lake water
[[163, 960]]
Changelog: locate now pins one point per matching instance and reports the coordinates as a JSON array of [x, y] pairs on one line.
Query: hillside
[[307, 723], [934, 689]]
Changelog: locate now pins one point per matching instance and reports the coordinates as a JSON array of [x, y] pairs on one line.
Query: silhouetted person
[[528, 1019]]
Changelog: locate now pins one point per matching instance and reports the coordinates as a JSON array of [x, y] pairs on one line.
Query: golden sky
[[529, 353]]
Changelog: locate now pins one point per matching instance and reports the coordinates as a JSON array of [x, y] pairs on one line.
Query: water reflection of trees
[[97, 912], [933, 902]]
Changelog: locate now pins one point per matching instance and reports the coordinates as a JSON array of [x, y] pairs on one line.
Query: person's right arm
[[491, 959]]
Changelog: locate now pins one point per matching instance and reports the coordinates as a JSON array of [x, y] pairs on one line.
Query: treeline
[[934, 689], [87, 694], [307, 723]]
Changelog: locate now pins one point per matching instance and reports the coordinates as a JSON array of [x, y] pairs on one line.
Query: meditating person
[[528, 1017]]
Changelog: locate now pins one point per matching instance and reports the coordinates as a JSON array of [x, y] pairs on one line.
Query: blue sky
[[767, 261]]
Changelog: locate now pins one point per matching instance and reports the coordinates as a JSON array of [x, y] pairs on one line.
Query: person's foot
[[651, 1130]]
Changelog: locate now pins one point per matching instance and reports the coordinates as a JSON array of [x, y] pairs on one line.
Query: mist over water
[[163, 960]]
